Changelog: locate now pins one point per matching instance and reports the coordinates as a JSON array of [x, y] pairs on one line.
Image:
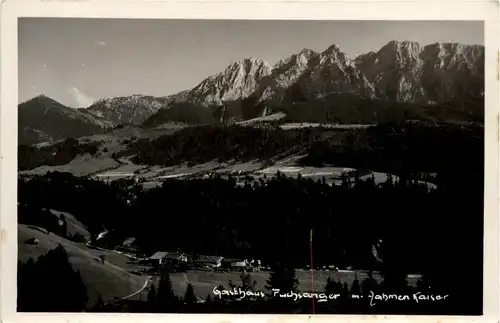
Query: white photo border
[[11, 10]]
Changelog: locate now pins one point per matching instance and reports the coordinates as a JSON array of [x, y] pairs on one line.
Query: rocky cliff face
[[408, 72], [400, 71], [237, 81]]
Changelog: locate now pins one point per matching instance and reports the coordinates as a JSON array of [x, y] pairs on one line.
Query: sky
[[77, 61]]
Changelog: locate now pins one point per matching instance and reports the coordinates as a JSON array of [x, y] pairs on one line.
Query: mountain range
[[402, 74]]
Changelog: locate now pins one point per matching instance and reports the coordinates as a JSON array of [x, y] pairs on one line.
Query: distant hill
[[43, 119]]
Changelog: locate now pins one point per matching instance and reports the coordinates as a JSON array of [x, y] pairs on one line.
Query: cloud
[[80, 99], [101, 42]]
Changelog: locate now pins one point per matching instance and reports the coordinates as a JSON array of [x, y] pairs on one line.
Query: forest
[[270, 220], [388, 147], [335, 108], [30, 157]]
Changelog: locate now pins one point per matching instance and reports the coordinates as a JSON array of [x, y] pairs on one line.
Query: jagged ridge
[[399, 71]]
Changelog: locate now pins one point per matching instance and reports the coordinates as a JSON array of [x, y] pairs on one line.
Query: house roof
[[174, 256], [233, 260], [208, 258], [166, 255], [158, 255]]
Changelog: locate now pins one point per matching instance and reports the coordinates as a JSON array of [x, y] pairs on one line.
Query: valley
[[153, 199]]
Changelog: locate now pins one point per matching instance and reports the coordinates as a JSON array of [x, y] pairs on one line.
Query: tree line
[[406, 150], [210, 142], [391, 147], [30, 157], [300, 105], [388, 147]]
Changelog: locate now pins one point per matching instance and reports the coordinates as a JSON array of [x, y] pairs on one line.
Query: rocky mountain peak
[[307, 53], [404, 54], [238, 81], [334, 54], [302, 58], [407, 72], [455, 56], [42, 98]]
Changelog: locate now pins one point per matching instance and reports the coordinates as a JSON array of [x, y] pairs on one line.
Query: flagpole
[[312, 267]]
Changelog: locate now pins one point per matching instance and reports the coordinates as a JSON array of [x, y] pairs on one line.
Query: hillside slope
[[43, 119], [106, 280]]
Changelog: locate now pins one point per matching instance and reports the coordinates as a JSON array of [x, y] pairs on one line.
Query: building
[[256, 265], [213, 262], [165, 258], [235, 264], [176, 261], [156, 259]]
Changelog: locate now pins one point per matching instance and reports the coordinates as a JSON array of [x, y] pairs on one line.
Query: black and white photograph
[[198, 166]]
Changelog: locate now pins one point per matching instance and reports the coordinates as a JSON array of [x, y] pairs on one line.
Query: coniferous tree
[[332, 286], [329, 286], [208, 299], [67, 293], [355, 287], [165, 294], [152, 294], [26, 285], [282, 277], [368, 285], [189, 296], [246, 282], [99, 304], [394, 281]]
